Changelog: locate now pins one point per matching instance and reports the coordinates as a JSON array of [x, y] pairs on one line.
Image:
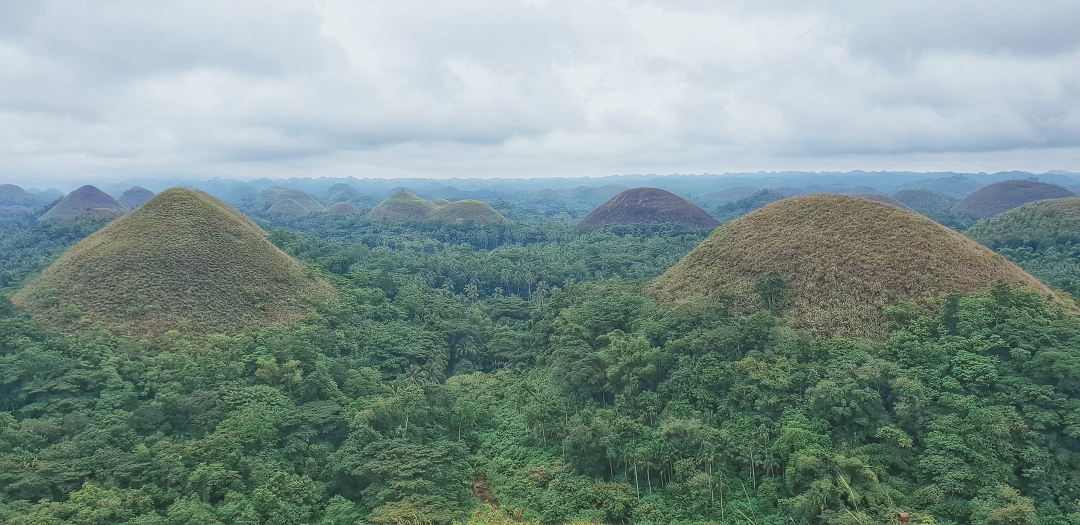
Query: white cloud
[[246, 88]]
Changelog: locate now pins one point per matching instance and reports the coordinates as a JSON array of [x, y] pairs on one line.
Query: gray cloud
[[114, 89]]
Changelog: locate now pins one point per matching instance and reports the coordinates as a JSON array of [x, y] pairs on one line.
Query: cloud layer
[[534, 88]]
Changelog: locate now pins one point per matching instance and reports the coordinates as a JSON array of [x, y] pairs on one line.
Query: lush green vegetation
[[521, 366]]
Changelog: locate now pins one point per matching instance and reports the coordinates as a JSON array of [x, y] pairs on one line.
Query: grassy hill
[[840, 260], [276, 194], [471, 211], [184, 260], [85, 203], [288, 209], [648, 206], [1006, 195], [925, 201], [884, 199], [12, 195], [135, 197], [1035, 223], [402, 206]]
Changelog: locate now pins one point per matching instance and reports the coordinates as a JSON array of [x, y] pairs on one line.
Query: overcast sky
[[109, 90]]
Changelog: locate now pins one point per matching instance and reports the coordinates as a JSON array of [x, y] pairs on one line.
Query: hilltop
[[135, 197], [87, 203], [884, 199], [925, 201], [12, 195], [184, 260], [1006, 195], [1037, 223], [289, 209], [402, 206], [471, 211], [839, 260], [276, 194], [648, 206]]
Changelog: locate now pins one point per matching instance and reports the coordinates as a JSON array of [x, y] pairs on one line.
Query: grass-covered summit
[[833, 262], [648, 206], [1049, 221], [402, 206], [1006, 195], [135, 197], [184, 260], [470, 211], [12, 195], [85, 203], [925, 201]]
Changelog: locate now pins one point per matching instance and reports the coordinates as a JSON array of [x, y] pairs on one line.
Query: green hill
[[135, 197], [343, 209], [838, 260], [272, 196], [288, 209], [85, 203], [184, 260], [1047, 221], [470, 211], [402, 206], [1006, 195]]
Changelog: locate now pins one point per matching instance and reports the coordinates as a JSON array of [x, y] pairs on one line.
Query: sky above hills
[[245, 89]]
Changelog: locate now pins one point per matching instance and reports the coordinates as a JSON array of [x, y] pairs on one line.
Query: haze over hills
[[135, 197], [840, 260], [884, 199], [648, 206], [925, 201], [12, 195], [85, 203], [1006, 195], [184, 260]]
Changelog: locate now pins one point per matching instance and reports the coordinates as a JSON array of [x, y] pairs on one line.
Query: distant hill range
[[831, 263], [184, 260]]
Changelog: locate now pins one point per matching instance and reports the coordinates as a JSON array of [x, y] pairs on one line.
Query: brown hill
[[648, 206], [1006, 195], [402, 206], [471, 211], [184, 260], [925, 201], [135, 197], [842, 260], [12, 195], [343, 209], [86, 202], [276, 194]]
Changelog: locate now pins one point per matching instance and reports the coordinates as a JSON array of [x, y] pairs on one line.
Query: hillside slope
[[402, 206], [1006, 195], [86, 202], [841, 260], [648, 206], [184, 260], [470, 211]]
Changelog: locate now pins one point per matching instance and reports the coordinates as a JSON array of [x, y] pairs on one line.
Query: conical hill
[[135, 197], [276, 194], [184, 260], [841, 260], [12, 195], [343, 209], [1006, 195], [402, 206], [86, 202], [289, 209], [469, 211], [1047, 221], [648, 206]]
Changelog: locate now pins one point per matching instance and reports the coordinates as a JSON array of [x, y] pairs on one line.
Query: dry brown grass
[[884, 199], [648, 206], [843, 260], [184, 260]]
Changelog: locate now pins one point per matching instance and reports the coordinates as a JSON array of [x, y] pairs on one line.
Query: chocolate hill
[[276, 194], [648, 206], [842, 260], [1006, 195], [135, 197], [12, 195], [470, 211], [402, 206], [184, 260], [343, 209], [925, 201], [288, 209], [87, 203], [1047, 221]]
